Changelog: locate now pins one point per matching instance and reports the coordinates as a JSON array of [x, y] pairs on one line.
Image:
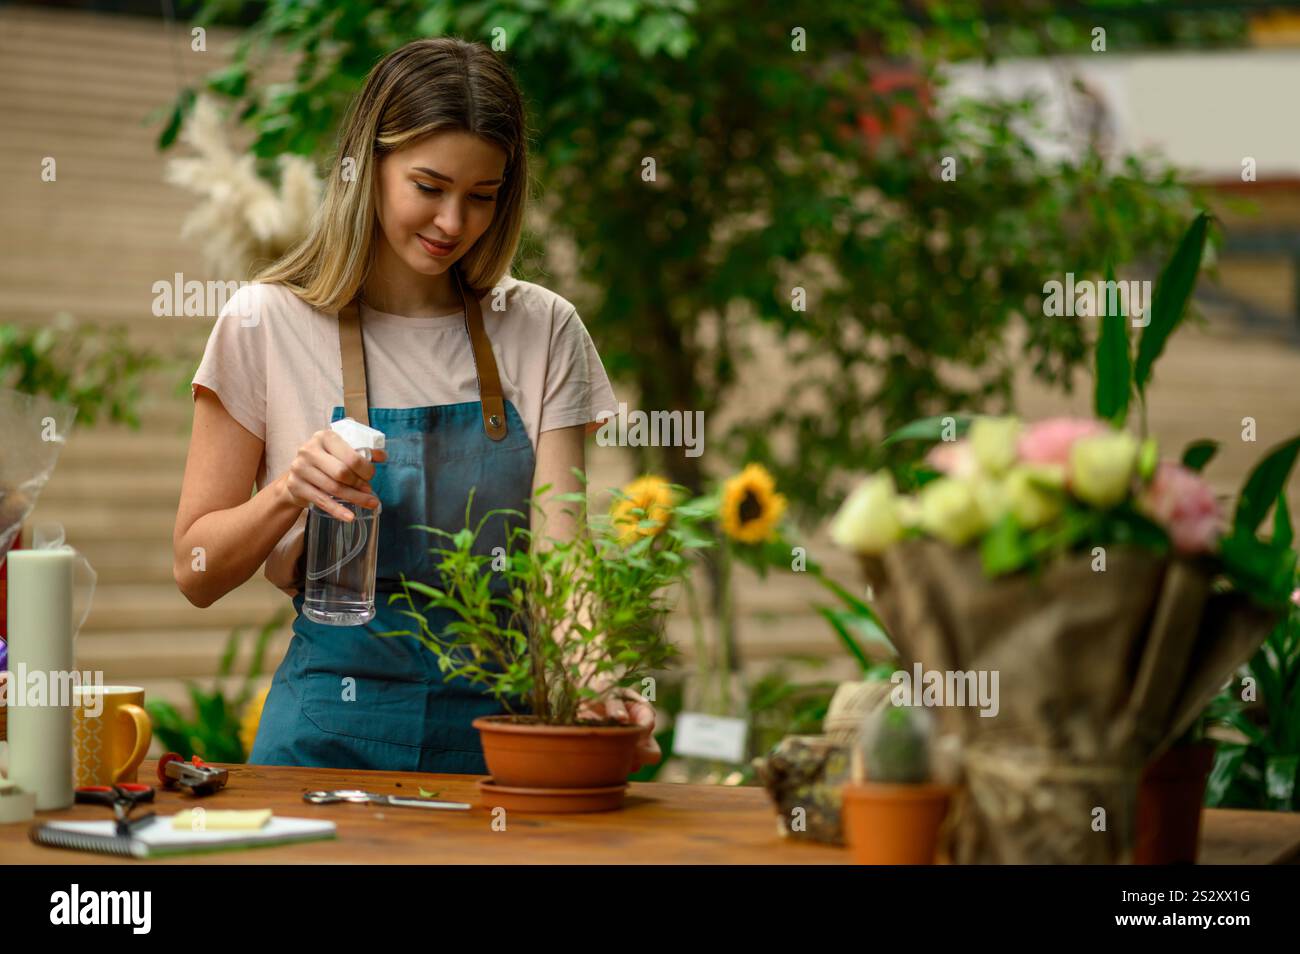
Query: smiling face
[[440, 189]]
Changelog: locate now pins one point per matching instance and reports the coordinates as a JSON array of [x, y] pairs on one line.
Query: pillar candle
[[40, 647]]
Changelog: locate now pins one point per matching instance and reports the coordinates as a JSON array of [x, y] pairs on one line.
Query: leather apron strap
[[356, 404]]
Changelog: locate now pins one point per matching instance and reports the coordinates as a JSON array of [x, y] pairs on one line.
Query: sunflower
[[751, 507], [652, 497], [249, 720]]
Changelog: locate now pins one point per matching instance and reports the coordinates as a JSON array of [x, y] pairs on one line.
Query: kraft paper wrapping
[[1098, 671]]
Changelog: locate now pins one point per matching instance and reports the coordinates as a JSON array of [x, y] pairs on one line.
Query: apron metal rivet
[[494, 420]]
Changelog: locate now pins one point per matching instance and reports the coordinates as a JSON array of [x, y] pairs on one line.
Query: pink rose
[[954, 458], [1182, 502], [1049, 442]]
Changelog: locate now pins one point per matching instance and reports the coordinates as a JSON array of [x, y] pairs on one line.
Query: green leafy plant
[[90, 367], [1261, 770], [213, 732], [552, 625]]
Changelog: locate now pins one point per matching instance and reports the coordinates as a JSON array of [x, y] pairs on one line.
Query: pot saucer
[[550, 800]]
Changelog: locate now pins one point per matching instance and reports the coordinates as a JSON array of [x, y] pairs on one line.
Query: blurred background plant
[[219, 729], [92, 367], [1257, 715]]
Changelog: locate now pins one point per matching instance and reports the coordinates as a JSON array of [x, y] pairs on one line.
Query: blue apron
[[345, 697]]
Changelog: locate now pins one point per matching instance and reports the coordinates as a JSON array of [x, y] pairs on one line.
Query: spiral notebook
[[159, 838]]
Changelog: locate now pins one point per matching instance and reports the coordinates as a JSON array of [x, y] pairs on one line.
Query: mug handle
[[143, 736]]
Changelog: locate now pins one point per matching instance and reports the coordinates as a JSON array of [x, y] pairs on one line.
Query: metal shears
[[122, 798], [376, 798]]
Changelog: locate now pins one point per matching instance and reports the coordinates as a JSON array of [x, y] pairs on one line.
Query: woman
[[401, 292]]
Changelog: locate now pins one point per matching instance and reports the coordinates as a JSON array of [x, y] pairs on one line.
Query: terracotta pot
[[532, 755], [893, 824], [1170, 799]]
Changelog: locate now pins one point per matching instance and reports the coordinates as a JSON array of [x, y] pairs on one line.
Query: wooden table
[[661, 824]]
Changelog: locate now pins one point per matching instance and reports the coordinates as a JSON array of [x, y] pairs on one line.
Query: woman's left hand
[[627, 705]]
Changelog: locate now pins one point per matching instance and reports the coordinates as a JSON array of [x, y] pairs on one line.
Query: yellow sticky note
[[202, 819]]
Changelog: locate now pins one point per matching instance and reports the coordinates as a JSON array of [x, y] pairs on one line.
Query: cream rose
[[868, 520], [1101, 468]]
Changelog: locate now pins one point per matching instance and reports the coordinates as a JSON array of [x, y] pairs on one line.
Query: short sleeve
[[577, 388], [234, 360]]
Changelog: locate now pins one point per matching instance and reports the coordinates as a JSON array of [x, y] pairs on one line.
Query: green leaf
[[1280, 781], [842, 631], [1004, 548], [1114, 383], [1199, 453], [930, 429], [184, 103], [1173, 290], [1260, 569], [1227, 765], [1282, 531], [424, 794], [1264, 484]]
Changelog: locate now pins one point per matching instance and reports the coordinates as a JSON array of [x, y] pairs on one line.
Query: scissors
[[123, 797], [375, 798]]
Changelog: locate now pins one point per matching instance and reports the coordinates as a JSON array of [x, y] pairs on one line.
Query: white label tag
[[710, 737]]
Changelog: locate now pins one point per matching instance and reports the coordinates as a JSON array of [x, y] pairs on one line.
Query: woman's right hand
[[326, 466]]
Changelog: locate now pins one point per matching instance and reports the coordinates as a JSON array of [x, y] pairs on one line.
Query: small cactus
[[895, 745]]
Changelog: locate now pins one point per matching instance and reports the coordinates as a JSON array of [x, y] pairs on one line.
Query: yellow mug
[[111, 733]]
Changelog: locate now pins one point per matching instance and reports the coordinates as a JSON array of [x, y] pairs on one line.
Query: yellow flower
[[751, 507], [248, 721], [653, 498]]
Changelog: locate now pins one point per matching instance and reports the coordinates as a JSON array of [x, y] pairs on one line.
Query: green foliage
[[931, 429], [1199, 453], [1173, 291], [213, 732], [90, 367], [554, 623], [1262, 770], [857, 626], [1113, 365], [765, 182], [1118, 374]]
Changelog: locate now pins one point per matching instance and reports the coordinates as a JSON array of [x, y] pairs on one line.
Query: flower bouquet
[[1069, 601]]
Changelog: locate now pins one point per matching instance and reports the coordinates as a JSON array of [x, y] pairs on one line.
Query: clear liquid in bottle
[[342, 555]]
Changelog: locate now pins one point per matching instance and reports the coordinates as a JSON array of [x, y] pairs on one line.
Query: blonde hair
[[426, 86]]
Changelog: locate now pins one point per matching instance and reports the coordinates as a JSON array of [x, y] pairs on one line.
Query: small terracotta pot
[[888, 824], [1170, 798], [532, 755]]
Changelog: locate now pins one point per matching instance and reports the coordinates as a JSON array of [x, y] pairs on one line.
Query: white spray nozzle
[[358, 436]]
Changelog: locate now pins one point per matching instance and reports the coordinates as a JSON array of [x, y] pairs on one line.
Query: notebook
[[157, 837]]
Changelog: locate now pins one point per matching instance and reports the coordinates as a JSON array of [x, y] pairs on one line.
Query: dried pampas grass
[[242, 222]]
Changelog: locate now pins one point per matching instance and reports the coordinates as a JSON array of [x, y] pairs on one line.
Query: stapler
[[195, 776]]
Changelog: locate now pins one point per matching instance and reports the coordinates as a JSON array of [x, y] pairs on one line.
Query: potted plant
[[550, 628], [893, 814]]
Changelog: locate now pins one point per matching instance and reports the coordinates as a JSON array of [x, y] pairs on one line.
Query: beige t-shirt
[[274, 362]]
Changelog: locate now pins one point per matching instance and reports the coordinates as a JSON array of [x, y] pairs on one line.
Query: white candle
[[40, 647]]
